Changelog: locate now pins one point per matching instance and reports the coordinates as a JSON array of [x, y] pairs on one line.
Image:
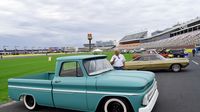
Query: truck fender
[[21, 96]]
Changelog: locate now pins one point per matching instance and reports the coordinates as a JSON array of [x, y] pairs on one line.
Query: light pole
[[16, 50], [32, 49], [39, 50], [4, 48], [25, 49], [44, 49], [90, 39], [3, 51]]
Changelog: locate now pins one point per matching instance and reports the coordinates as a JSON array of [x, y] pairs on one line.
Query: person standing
[[193, 52], [118, 60]]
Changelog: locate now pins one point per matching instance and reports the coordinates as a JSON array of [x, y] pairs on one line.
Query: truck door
[[69, 88]]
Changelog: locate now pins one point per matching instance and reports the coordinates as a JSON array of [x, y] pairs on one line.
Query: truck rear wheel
[[29, 102], [116, 105]]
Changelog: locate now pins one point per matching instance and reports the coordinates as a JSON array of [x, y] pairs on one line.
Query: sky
[[45, 23]]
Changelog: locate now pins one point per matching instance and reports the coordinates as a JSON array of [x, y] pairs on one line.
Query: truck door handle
[[57, 81]]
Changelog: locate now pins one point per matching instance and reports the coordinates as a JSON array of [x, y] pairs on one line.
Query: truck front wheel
[[29, 102], [116, 105]]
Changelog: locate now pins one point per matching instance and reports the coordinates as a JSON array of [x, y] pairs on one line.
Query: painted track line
[[195, 62], [7, 104]]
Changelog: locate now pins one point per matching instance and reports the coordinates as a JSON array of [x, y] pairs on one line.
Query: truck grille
[[150, 94]]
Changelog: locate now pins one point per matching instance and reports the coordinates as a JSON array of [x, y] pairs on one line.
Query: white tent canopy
[[97, 50]]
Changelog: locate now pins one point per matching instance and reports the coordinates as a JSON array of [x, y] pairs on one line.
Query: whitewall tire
[[29, 102], [116, 105]]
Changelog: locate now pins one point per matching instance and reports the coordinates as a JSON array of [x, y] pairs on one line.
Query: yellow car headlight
[[171, 55]]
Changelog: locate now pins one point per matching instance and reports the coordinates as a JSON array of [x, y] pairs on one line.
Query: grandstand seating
[[133, 37], [187, 39]]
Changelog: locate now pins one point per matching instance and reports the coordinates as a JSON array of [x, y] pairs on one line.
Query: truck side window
[[71, 69]]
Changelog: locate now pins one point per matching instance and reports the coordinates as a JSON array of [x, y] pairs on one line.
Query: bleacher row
[[180, 41], [128, 46]]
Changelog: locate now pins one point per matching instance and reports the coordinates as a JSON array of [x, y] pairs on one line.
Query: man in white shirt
[[118, 60]]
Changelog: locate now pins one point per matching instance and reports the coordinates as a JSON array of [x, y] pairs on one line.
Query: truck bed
[[44, 76], [39, 85]]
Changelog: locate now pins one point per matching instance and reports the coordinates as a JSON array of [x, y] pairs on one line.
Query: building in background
[[83, 49], [175, 30], [109, 43], [131, 41], [185, 35], [103, 45], [87, 45], [156, 32], [69, 49]]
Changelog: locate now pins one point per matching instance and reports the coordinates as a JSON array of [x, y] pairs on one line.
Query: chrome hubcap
[[176, 68]]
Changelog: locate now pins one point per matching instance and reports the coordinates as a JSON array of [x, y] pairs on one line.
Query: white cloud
[[67, 22]]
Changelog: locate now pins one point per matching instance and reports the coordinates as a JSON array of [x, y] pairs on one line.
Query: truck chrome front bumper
[[151, 104]]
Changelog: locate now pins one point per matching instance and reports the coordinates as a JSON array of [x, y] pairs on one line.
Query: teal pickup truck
[[87, 83]]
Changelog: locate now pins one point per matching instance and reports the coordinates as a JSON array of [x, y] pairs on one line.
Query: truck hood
[[124, 80]]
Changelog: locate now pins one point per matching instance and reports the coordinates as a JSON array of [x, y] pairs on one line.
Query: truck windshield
[[97, 66]]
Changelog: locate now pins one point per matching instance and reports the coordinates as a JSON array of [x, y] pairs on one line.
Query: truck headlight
[[145, 100], [149, 94]]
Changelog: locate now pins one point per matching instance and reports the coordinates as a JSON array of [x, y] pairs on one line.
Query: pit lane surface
[[179, 92]]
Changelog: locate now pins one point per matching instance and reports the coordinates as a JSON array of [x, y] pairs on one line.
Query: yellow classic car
[[156, 62]]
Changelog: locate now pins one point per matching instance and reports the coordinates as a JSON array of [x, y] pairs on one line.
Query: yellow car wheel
[[176, 67]]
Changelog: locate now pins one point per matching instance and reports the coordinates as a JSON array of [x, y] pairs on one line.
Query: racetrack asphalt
[[179, 92]]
